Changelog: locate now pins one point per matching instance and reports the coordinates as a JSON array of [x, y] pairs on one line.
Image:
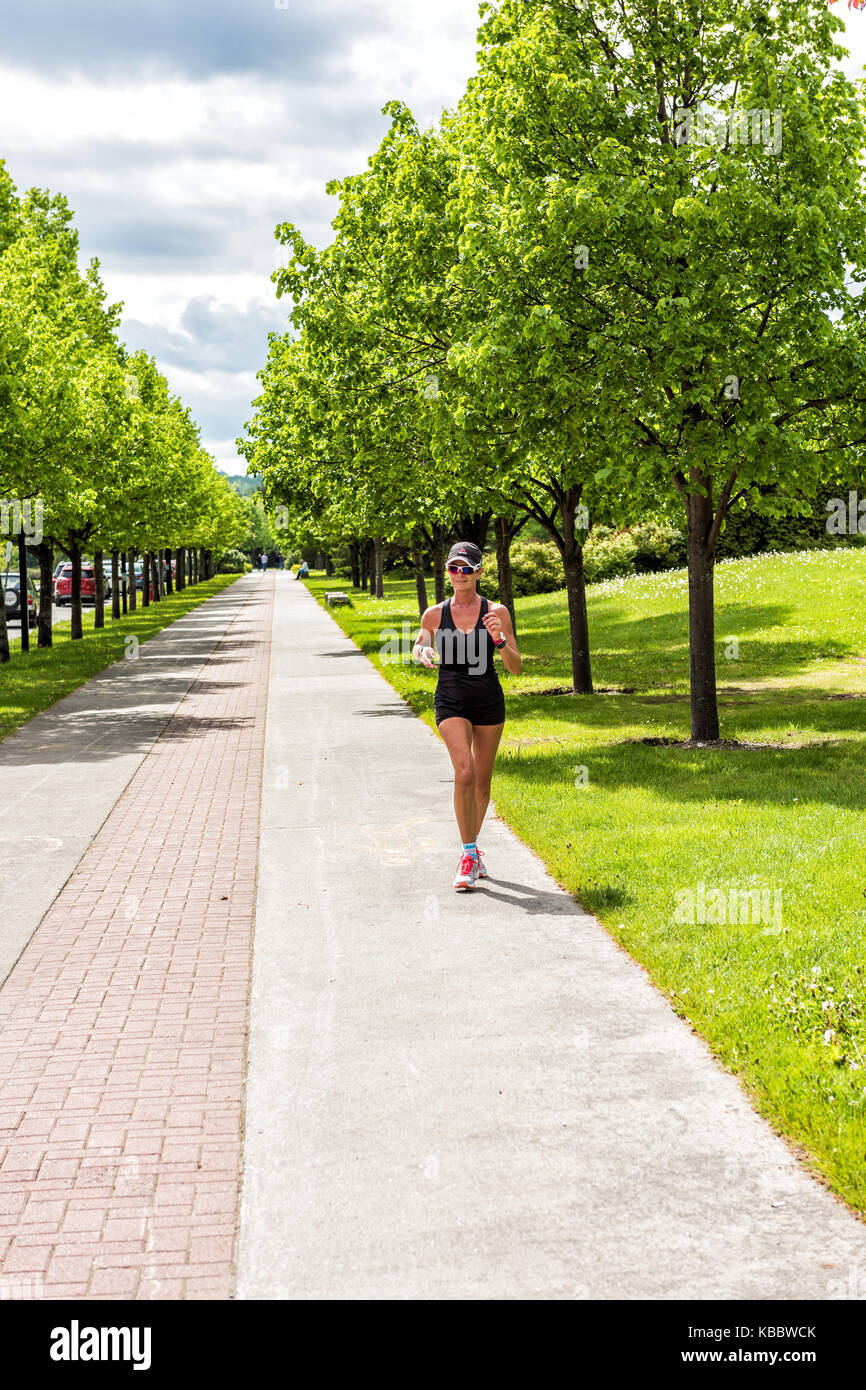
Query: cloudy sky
[[182, 131]]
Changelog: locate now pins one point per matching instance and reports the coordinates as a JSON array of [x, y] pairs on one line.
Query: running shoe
[[467, 871], [482, 872]]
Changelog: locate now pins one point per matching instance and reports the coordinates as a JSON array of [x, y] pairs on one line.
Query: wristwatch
[[503, 643]]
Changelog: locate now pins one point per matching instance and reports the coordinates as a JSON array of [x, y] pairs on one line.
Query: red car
[[63, 586]]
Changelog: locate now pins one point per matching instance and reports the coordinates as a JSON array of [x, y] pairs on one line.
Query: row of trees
[[591, 293], [96, 455]]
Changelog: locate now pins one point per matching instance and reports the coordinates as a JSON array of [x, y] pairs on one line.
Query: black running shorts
[[479, 701]]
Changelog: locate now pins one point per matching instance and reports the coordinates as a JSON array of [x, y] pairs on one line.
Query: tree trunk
[[123, 583], [379, 554], [133, 589], [169, 577], [160, 570], [209, 570], [329, 566], [115, 586], [4, 631], [439, 563], [145, 579], [418, 570], [581, 669], [180, 569], [75, 625], [354, 561], [702, 645], [362, 563], [23, 595], [46, 595], [99, 590], [371, 566], [504, 531], [578, 621], [473, 528]]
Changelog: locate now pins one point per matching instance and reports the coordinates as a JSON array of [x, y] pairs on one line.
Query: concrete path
[[469, 1096]]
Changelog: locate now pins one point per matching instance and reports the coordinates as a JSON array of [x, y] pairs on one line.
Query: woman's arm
[[423, 650], [498, 623]]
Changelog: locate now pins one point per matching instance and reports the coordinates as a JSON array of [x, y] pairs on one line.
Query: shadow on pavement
[[533, 900], [389, 711]]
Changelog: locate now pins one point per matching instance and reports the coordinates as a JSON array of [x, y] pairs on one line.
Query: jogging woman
[[464, 632]]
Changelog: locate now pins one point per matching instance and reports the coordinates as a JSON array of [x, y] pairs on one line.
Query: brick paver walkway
[[123, 1024]]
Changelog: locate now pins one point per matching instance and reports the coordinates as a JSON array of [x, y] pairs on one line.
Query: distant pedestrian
[[264, 562]]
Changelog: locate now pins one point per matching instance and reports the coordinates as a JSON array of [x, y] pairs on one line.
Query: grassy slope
[[30, 683], [784, 1010]]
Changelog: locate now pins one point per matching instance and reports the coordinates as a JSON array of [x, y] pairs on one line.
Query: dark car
[[12, 599]]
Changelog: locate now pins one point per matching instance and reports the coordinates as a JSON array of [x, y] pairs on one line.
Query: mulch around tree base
[[728, 743], [599, 690]]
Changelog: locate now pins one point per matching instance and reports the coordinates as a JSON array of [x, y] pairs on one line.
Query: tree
[[710, 297]]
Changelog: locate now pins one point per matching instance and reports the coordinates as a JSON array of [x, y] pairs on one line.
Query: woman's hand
[[499, 625], [426, 655], [493, 623]]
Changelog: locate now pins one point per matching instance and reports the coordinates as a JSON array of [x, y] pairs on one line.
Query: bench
[[334, 599]]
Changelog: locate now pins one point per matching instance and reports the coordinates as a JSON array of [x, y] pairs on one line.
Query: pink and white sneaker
[[467, 871], [482, 872]]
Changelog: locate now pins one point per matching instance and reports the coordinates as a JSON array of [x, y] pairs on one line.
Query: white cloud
[[179, 167]]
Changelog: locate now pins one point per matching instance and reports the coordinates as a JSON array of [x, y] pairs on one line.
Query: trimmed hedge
[[232, 562]]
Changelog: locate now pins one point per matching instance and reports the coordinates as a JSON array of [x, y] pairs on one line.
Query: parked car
[[63, 586], [12, 599]]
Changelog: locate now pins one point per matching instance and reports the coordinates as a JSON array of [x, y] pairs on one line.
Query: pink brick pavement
[[123, 1024]]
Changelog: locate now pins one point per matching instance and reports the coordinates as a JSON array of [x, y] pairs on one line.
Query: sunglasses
[[463, 569]]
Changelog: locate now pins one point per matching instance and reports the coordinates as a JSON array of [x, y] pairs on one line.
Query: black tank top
[[464, 655]]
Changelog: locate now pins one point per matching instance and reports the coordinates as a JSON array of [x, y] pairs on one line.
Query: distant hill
[[245, 484]]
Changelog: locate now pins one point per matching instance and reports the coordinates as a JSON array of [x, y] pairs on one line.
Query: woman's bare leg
[[457, 735], [485, 743]]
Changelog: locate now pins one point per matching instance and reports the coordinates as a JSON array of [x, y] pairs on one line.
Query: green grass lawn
[[626, 827], [31, 682]]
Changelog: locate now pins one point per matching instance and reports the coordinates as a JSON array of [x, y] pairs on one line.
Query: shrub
[[536, 568], [608, 554], [232, 562]]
